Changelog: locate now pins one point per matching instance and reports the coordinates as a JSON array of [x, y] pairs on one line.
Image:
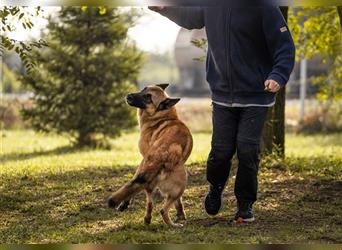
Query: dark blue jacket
[[246, 46]]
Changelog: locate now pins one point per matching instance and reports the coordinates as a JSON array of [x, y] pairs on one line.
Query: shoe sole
[[241, 220]]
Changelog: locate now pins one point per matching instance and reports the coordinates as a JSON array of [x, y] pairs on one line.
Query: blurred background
[[170, 55]]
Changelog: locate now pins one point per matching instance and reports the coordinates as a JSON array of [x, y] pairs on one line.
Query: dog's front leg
[[180, 210]]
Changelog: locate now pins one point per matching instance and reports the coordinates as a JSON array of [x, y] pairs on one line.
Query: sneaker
[[244, 213], [213, 200]]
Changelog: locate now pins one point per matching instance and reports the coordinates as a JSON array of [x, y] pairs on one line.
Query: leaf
[[102, 10], [28, 24], [10, 47]]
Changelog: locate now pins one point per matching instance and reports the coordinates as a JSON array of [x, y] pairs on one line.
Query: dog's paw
[[180, 217], [177, 225], [147, 220], [123, 206], [112, 203]]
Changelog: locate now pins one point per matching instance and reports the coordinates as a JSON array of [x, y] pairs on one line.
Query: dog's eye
[[148, 97]]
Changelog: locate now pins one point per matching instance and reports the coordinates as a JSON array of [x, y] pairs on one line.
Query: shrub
[[80, 81]]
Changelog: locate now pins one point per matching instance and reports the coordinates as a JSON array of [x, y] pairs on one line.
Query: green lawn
[[50, 192]]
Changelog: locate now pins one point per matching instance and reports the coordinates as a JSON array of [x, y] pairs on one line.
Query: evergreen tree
[[81, 80]]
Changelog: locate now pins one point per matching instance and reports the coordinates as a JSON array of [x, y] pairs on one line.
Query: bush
[[322, 121]]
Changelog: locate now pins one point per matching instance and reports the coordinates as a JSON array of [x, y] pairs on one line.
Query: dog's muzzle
[[130, 99]]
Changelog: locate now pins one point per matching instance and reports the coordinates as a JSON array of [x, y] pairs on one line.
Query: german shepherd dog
[[165, 144]]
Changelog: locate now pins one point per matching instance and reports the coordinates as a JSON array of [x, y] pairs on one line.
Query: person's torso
[[238, 60]]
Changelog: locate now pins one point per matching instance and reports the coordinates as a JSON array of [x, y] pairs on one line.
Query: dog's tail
[[124, 193]]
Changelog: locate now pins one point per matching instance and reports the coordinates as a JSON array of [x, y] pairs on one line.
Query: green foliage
[[81, 80], [317, 31], [9, 16], [201, 44], [330, 85]]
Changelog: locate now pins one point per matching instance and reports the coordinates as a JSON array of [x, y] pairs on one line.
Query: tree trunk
[[84, 139], [267, 134], [278, 120], [274, 129]]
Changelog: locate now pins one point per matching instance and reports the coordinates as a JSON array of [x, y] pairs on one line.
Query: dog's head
[[152, 99]]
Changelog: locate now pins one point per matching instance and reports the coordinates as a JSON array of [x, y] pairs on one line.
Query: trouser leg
[[223, 144], [248, 140], [246, 183]]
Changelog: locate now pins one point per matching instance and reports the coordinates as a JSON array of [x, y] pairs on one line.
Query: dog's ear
[[163, 85], [167, 103]]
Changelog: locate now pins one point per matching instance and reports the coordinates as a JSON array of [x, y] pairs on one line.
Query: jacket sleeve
[[280, 45], [186, 17]]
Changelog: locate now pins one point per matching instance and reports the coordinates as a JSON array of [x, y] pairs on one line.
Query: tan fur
[[165, 144]]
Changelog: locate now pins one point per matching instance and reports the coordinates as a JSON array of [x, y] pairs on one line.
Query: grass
[[50, 192]]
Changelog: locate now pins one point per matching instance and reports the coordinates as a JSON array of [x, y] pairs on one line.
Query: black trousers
[[236, 129]]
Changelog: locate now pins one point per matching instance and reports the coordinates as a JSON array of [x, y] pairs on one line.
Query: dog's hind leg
[[180, 210], [165, 212], [149, 207]]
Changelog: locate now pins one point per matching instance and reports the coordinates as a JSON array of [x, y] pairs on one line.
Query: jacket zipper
[[229, 57], [225, 47]]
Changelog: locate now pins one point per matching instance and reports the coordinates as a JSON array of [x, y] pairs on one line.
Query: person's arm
[[280, 45], [186, 17]]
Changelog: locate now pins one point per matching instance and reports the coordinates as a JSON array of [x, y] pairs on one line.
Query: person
[[250, 57]]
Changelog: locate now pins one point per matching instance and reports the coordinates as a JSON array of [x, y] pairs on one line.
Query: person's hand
[[156, 8], [272, 86]]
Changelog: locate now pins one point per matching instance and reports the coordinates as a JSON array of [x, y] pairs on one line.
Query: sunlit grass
[[51, 192], [314, 145], [29, 152]]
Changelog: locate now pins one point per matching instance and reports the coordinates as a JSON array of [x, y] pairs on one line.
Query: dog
[[165, 144]]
